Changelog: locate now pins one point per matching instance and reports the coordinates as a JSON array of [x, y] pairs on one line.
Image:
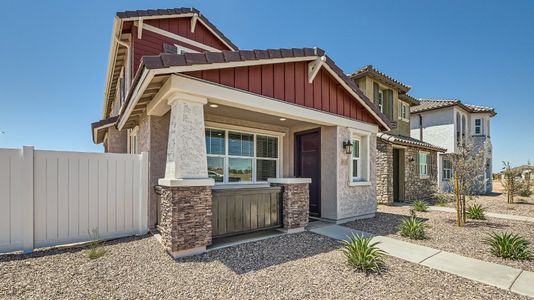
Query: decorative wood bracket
[[140, 28], [314, 67], [194, 22]]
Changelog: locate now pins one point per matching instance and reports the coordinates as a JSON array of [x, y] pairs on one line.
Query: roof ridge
[[371, 68]]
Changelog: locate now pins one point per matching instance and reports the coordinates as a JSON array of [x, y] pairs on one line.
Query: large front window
[[241, 157]]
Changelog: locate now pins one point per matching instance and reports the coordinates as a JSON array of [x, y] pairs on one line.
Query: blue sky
[[54, 57]]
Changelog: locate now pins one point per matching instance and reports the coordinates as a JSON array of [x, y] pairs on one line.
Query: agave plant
[[419, 205], [413, 228], [476, 212], [509, 245], [363, 254]]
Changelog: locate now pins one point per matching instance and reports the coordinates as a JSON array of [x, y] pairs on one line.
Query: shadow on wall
[[255, 256]]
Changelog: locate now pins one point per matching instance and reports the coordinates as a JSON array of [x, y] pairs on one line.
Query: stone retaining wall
[[295, 205]]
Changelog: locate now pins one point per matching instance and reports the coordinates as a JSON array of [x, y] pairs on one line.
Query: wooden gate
[[237, 211]]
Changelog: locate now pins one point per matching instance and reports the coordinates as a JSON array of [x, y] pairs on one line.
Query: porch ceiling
[[252, 116]]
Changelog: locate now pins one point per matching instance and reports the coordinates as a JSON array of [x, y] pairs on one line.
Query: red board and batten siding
[[289, 82], [152, 43]]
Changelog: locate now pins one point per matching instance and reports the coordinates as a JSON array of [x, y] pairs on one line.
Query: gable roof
[[173, 63], [131, 15], [426, 104], [369, 70]]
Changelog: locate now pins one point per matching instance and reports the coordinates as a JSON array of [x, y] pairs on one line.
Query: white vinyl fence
[[49, 198]]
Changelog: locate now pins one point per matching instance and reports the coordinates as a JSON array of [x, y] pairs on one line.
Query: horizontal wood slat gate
[[237, 211], [49, 198]]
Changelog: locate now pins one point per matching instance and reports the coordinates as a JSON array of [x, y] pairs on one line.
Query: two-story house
[[238, 140], [449, 123], [406, 166]]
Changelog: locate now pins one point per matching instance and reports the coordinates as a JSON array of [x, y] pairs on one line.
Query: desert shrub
[[476, 212], [363, 254], [509, 245], [413, 228], [95, 245], [525, 193], [442, 199], [419, 205]]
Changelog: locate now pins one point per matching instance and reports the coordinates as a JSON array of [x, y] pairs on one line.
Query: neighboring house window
[[403, 111], [447, 169], [359, 159], [133, 140], [241, 157], [478, 126], [423, 163], [182, 49], [356, 163], [381, 101]]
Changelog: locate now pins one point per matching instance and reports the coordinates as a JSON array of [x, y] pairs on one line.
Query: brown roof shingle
[[372, 71], [408, 141], [175, 11], [426, 104]]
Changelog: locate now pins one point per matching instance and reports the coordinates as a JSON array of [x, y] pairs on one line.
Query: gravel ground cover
[[496, 203], [443, 233], [298, 266]]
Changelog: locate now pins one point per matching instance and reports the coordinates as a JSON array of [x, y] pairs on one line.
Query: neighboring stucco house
[[238, 140], [448, 123], [406, 167]]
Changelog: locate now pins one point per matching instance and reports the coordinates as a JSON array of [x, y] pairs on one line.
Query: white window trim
[[481, 131], [182, 49], [381, 100], [255, 132], [427, 154], [133, 136], [359, 135], [443, 171]]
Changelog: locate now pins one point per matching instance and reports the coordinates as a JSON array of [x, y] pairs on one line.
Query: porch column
[[295, 202], [186, 204]]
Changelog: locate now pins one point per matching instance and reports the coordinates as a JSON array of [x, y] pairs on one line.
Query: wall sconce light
[[348, 147], [411, 159]]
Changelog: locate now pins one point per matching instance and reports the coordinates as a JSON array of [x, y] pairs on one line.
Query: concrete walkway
[[489, 214], [504, 277]]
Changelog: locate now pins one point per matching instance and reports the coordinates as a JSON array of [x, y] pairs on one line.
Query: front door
[[308, 165]]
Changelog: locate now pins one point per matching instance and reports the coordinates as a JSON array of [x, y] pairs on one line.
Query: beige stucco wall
[[117, 141], [354, 201], [153, 138]]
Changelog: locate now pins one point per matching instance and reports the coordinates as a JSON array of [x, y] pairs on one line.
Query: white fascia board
[[95, 130], [224, 95], [145, 80], [179, 69], [178, 38], [111, 62], [351, 91]]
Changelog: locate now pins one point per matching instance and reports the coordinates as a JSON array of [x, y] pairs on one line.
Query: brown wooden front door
[[308, 165]]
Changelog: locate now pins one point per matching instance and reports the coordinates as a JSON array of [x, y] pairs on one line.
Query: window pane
[[240, 144], [265, 169], [266, 146], [356, 148], [239, 169], [215, 141], [216, 168], [355, 171]]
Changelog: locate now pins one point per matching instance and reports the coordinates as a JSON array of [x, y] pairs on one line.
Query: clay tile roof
[[408, 141], [369, 70], [167, 60], [175, 11], [426, 104]]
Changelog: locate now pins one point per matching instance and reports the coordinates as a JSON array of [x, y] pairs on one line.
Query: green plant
[[509, 245], [442, 199], [419, 205], [363, 255], [476, 212], [413, 228], [95, 246], [525, 193]]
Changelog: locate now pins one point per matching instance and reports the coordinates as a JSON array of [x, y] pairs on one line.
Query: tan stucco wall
[[117, 141], [153, 138]]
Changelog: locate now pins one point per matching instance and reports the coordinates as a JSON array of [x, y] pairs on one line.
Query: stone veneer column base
[[295, 202], [186, 213]]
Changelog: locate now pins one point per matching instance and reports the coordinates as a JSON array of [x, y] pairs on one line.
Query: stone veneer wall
[[186, 214], [295, 204], [117, 141], [416, 187], [384, 172]]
